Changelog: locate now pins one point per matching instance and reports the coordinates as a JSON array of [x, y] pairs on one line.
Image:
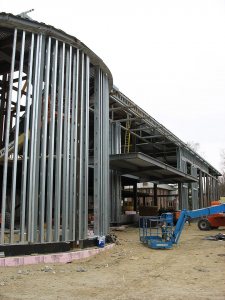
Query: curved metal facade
[[48, 83]]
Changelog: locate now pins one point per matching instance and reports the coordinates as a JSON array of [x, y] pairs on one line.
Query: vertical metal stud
[[31, 176], [74, 145], [59, 145], [5, 171], [66, 141], [16, 139], [3, 106], [204, 182], [207, 189], [101, 154], [81, 149], [97, 158], [105, 163], [26, 139], [51, 143], [115, 177], [200, 189], [40, 97], [44, 142], [84, 149]]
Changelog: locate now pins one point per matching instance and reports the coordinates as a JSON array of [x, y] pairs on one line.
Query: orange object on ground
[[177, 214], [213, 221]]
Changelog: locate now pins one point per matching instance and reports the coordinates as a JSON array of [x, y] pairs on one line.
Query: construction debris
[[118, 228], [217, 237], [80, 269], [47, 269]]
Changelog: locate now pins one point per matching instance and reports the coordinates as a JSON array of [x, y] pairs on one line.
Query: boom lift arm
[[193, 214], [149, 226]]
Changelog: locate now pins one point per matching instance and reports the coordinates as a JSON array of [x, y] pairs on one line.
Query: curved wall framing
[[46, 87]]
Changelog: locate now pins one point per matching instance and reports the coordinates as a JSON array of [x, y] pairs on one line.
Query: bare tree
[[193, 145], [223, 159]]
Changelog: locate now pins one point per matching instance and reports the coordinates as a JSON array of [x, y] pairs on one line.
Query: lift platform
[[159, 232]]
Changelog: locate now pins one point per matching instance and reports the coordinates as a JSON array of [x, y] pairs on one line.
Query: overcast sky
[[167, 56]]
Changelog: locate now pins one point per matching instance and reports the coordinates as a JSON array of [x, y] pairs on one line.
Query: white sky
[[166, 55]]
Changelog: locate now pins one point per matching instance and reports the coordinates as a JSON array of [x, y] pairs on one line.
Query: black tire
[[204, 224]]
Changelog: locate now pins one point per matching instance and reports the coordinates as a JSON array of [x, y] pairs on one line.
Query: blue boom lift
[[159, 232]]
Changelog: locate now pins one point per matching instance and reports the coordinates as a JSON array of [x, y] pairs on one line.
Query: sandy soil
[[194, 269]]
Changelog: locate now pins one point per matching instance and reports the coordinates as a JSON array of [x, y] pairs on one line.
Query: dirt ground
[[194, 269]]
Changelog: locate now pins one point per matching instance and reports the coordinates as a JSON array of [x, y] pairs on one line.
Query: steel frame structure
[[46, 175], [152, 138], [152, 132], [60, 119]]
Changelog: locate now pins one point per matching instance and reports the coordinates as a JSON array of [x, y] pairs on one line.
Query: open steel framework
[[61, 124], [150, 137]]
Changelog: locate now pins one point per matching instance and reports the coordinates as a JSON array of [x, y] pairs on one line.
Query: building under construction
[[70, 142]]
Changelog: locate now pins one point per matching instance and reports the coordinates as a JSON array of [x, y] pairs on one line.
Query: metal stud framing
[[83, 146], [73, 164], [203, 192], [45, 85], [45, 140], [8, 117], [115, 176], [101, 154]]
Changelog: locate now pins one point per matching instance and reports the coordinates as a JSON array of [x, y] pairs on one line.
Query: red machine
[[212, 221]]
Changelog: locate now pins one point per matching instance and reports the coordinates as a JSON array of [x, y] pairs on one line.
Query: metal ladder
[[127, 137]]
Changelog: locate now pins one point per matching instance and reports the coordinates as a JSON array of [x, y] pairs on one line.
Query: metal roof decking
[[144, 166]]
